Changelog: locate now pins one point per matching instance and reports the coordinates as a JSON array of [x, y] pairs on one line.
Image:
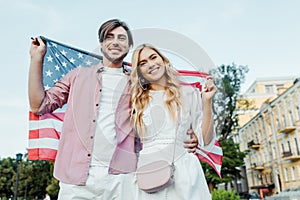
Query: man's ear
[[101, 44]]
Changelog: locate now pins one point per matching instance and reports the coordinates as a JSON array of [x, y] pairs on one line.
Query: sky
[[264, 35]]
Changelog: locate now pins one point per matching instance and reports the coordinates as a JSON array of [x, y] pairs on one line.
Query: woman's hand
[[209, 90]]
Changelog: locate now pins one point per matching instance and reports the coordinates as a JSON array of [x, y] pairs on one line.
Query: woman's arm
[[207, 121]]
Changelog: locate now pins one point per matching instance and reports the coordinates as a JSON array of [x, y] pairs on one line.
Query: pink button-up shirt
[[81, 90]]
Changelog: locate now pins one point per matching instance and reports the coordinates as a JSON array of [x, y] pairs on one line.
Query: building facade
[[271, 135]]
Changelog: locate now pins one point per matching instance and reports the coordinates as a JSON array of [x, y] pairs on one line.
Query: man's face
[[115, 46]]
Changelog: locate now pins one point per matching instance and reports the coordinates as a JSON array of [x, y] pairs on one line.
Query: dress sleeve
[[197, 116]]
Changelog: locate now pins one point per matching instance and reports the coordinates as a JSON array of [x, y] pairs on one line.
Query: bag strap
[[176, 132]]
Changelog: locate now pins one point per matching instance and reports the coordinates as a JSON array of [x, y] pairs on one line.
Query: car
[[254, 196]]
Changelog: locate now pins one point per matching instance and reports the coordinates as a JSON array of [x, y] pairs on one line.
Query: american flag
[[45, 130]]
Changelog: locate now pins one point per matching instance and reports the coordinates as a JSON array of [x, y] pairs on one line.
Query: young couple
[[116, 121]]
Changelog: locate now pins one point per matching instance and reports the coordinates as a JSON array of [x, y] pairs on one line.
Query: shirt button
[[100, 90], [94, 120], [92, 137], [97, 104], [89, 155]]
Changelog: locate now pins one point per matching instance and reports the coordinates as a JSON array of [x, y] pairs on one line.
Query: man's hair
[[108, 26]]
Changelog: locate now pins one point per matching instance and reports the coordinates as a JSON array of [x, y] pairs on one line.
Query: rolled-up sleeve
[[57, 95]]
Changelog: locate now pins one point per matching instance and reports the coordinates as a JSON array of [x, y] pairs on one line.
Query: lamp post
[[19, 159]]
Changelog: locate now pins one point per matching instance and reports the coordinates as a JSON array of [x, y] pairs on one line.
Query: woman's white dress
[[158, 144]]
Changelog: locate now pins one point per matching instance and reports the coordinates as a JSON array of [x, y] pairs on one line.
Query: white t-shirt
[[113, 84]]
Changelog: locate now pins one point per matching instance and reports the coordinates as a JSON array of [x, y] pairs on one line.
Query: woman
[[162, 111]]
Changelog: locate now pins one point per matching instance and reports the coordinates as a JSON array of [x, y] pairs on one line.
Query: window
[[256, 138], [289, 145], [284, 121], [282, 147], [278, 124], [297, 146], [274, 153], [279, 86], [269, 89], [292, 118], [293, 174], [286, 174], [298, 113]]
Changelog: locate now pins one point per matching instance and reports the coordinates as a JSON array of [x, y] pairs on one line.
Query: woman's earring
[[141, 80]]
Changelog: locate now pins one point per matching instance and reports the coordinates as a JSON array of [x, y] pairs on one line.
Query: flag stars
[[47, 87], [80, 55], [72, 60], [64, 64], [54, 45], [55, 80], [49, 58], [56, 67], [88, 62], [63, 52], [56, 55], [49, 73]]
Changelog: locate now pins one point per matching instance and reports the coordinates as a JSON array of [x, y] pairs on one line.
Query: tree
[[37, 176], [228, 79], [7, 171], [35, 179]]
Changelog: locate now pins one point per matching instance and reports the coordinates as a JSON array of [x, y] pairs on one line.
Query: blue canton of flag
[[60, 59]]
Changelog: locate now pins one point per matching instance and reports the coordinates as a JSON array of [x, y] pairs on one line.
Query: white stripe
[[218, 167], [215, 150], [48, 143], [46, 123]]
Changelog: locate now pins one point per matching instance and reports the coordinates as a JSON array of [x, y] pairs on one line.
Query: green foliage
[[222, 194], [228, 79], [35, 179], [7, 172], [233, 159]]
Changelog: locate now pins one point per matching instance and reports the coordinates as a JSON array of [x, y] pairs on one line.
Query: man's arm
[[35, 84], [191, 143]]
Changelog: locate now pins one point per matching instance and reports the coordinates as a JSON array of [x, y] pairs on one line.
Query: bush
[[221, 194]]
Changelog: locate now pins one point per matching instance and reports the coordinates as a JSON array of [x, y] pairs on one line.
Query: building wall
[[272, 138]]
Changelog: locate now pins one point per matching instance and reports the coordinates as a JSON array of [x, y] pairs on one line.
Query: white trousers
[[100, 186]]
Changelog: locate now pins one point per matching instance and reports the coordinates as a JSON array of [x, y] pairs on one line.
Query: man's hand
[[38, 49], [191, 143]]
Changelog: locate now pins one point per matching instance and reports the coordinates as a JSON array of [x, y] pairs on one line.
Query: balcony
[[287, 129], [253, 145], [258, 167], [288, 155]]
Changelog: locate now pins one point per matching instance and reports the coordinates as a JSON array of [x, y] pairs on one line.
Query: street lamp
[[19, 159]]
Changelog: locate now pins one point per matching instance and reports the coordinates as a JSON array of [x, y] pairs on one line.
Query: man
[[98, 148]]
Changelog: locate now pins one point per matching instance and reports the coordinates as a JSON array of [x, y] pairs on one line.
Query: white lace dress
[[158, 144]]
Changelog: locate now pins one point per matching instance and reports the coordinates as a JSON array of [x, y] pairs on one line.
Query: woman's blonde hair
[[140, 89]]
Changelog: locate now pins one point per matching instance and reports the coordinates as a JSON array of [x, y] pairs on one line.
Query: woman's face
[[152, 66]]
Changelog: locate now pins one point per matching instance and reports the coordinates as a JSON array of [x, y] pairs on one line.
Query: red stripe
[[33, 116], [216, 158], [44, 133], [42, 154], [58, 116], [210, 163], [192, 73], [33, 134], [33, 154]]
